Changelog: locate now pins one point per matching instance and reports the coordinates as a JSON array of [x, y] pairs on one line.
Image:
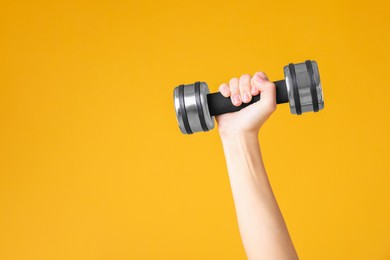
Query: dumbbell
[[196, 107]]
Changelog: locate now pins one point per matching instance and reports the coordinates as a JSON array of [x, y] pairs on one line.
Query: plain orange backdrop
[[93, 165]]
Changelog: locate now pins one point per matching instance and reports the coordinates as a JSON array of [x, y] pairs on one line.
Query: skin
[[261, 224]]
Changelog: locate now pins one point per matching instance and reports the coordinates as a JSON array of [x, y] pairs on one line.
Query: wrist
[[227, 136]]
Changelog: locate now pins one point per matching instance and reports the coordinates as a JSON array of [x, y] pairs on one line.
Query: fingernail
[[245, 98], [259, 79], [263, 76], [236, 100]]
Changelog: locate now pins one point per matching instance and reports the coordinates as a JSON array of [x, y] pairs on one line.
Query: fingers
[[225, 90], [254, 89], [245, 88], [241, 90], [235, 91], [268, 91]]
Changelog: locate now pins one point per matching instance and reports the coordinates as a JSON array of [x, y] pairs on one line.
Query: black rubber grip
[[219, 104]]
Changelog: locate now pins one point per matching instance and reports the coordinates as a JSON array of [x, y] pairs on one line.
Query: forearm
[[263, 230]]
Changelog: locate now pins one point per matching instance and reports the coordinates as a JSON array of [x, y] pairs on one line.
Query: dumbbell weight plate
[[192, 112], [304, 87]]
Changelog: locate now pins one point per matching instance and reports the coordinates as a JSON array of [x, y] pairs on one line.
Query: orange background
[[93, 165]]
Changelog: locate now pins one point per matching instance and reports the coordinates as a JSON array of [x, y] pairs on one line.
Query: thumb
[[267, 91]]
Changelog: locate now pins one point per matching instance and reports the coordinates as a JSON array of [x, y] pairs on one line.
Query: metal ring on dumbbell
[[192, 110], [195, 107]]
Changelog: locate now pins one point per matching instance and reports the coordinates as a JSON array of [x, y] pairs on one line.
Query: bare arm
[[262, 227]]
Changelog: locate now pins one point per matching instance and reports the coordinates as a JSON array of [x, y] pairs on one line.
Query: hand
[[251, 118]]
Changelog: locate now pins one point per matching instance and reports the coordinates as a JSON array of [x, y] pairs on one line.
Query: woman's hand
[[249, 119], [262, 227]]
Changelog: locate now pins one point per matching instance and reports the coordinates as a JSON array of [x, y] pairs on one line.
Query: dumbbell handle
[[219, 104]]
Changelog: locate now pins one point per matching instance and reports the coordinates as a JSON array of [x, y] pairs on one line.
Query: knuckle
[[224, 90], [233, 81], [245, 77], [260, 73], [223, 86]]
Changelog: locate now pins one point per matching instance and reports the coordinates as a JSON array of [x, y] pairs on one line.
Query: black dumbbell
[[196, 107]]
